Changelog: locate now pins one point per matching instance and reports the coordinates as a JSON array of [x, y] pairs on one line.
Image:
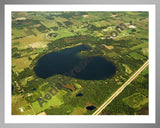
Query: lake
[[90, 107], [70, 61], [79, 94]]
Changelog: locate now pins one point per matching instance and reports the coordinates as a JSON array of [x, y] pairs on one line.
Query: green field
[[56, 101], [136, 55], [135, 100]]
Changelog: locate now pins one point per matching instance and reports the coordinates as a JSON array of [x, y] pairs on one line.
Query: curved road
[[105, 104]]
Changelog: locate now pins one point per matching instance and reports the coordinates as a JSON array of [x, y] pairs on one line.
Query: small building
[[21, 109], [102, 38], [131, 26], [28, 94]]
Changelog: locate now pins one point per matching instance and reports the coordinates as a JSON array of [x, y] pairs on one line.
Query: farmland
[[121, 38]]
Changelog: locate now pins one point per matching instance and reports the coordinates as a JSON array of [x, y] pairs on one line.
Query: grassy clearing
[[100, 23], [142, 45], [33, 56], [35, 31], [145, 51], [135, 100], [132, 13], [64, 33], [25, 80], [17, 103], [49, 23], [54, 102], [143, 91], [26, 41], [78, 111], [136, 55], [112, 54], [128, 70], [18, 33], [139, 29], [128, 31], [21, 63], [38, 45], [98, 34], [60, 19], [146, 41], [107, 46], [78, 86]]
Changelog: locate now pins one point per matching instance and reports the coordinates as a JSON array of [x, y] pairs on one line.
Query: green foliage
[[136, 55], [16, 55], [29, 58], [27, 72], [135, 100], [119, 105]]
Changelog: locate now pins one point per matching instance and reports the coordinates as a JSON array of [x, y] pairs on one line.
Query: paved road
[[99, 110]]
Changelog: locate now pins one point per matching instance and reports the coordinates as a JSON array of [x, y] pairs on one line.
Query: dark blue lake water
[[70, 62], [79, 94], [90, 107]]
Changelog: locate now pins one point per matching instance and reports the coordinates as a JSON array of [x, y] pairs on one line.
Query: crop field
[[136, 55], [135, 100], [26, 41], [54, 102], [143, 45], [49, 23], [21, 63]]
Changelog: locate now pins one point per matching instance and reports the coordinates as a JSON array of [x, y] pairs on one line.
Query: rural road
[[108, 101]]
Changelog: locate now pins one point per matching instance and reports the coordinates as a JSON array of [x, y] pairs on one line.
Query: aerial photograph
[[80, 63]]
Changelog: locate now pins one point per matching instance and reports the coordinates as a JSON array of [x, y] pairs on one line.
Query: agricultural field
[[133, 100], [70, 63]]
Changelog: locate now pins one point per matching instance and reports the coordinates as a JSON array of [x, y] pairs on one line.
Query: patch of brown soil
[[73, 39], [72, 87], [42, 113], [143, 111], [85, 16]]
